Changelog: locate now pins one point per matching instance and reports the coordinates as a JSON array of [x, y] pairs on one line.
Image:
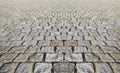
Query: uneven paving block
[[22, 58], [73, 58], [64, 68], [5, 43], [106, 58], [109, 49], [49, 37], [85, 68], [83, 43], [7, 57], [47, 49], [80, 38], [116, 56], [24, 68], [16, 43], [70, 43], [18, 49], [33, 49], [9, 68], [56, 43], [44, 43], [115, 67], [36, 57], [64, 49], [42, 68], [4, 49], [31, 42], [98, 42], [103, 68], [64, 37], [111, 43], [1, 64], [38, 38], [92, 57], [80, 49], [94, 49], [54, 58]]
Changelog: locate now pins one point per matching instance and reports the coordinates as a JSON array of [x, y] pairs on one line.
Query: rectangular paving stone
[[63, 49], [31, 42], [64, 37], [24, 68], [85, 68], [92, 57], [103, 68], [8, 68], [18, 49], [70, 43], [73, 58], [5, 43], [54, 58], [4, 49], [56, 43], [80, 49], [44, 43], [115, 67], [64, 68], [43, 68], [94, 49], [36, 57], [16, 43], [47, 49], [98, 42], [83, 43], [116, 56], [7, 57], [33, 49], [22, 58]]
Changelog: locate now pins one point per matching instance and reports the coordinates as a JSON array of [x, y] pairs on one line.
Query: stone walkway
[[61, 42]]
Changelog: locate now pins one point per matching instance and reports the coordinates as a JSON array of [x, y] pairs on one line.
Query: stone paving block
[[9, 68], [18, 49], [111, 43], [109, 49], [38, 38], [64, 37], [70, 43], [22, 58], [30, 42], [4, 49], [54, 58], [7, 57], [16, 43], [85, 68], [115, 67], [56, 43], [98, 42], [43, 68], [116, 56], [47, 49], [83, 43], [92, 57], [64, 49], [44, 43], [106, 58], [64, 68], [103, 68], [78, 38], [94, 49], [73, 58], [24, 68], [33, 49], [5, 43], [36, 57], [80, 49]]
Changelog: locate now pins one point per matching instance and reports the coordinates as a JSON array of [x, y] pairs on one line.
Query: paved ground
[[60, 36]]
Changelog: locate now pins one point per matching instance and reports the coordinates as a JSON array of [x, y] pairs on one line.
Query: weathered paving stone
[[8, 68], [7, 57], [18, 49], [70, 43], [94, 49], [16, 43], [36, 57], [98, 42], [1, 64], [56, 43], [24, 68], [5, 43], [44, 43], [54, 58], [80, 49], [64, 68], [109, 49], [85, 68], [106, 58], [4, 49], [73, 58], [64, 37], [33, 49], [83, 43], [22, 58], [42, 68], [116, 56], [103, 68], [47, 49], [63, 49], [92, 57], [31, 42], [115, 67]]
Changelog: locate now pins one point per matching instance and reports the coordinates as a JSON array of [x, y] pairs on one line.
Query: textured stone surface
[[56, 43], [70, 43], [22, 58]]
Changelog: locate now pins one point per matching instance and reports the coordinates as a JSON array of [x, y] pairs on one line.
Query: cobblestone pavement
[[61, 41]]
